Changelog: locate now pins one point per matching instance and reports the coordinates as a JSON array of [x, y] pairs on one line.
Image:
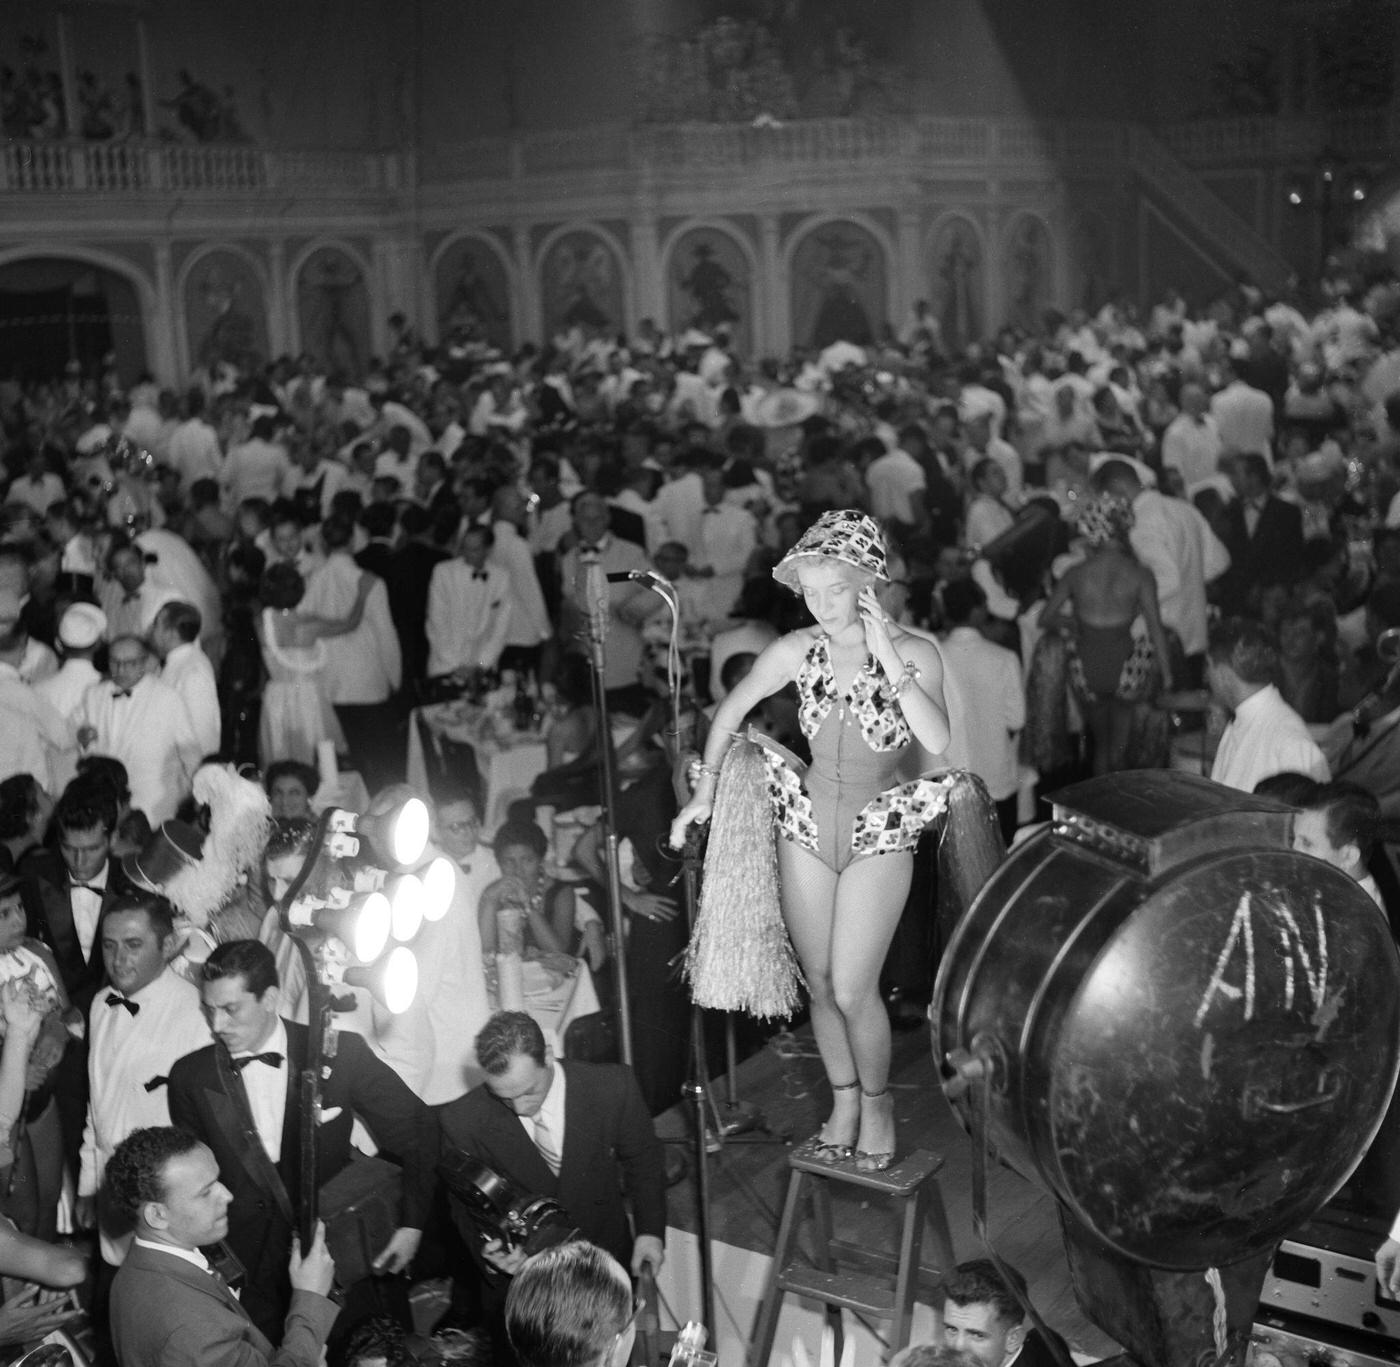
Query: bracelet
[[707, 770], [911, 675]]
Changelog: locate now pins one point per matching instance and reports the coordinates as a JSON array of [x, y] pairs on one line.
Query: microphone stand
[[597, 592]]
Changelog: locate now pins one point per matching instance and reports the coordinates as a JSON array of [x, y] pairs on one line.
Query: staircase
[[1202, 212]]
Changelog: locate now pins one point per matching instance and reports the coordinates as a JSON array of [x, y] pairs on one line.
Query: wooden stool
[[913, 1183]]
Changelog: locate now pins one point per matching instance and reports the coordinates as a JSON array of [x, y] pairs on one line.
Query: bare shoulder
[[790, 650]]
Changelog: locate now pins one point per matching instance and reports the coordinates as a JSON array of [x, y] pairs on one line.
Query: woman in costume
[[871, 707], [1095, 605]]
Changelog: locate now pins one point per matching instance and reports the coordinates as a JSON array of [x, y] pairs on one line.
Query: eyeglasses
[[461, 827]]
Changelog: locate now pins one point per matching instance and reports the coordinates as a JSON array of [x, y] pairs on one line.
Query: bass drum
[[1192, 1031]]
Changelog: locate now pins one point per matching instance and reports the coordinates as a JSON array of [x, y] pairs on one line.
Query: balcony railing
[[136, 167], [663, 148]]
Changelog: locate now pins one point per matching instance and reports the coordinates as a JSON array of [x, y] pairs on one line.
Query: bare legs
[[841, 926]]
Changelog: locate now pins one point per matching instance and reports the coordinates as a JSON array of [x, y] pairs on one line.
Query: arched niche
[[331, 288], [582, 282], [839, 278], [224, 301], [710, 277], [957, 281], [1027, 270], [1092, 279], [60, 304], [472, 288]]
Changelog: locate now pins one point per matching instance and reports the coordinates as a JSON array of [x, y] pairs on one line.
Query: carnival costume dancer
[[872, 710]]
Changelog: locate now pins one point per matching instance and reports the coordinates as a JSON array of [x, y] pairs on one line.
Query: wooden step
[[853, 1290]]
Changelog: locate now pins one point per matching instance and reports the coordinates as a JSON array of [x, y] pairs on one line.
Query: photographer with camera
[[577, 1133]]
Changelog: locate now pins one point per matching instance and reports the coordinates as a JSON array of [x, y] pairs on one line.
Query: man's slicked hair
[[505, 1035], [979, 1283], [250, 960]]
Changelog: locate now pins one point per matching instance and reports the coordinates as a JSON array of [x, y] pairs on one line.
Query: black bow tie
[[133, 597], [114, 1000], [479, 574], [122, 693], [273, 1060], [587, 549]]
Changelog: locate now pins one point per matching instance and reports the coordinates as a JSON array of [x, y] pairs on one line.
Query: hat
[[846, 535], [174, 847], [10, 882], [786, 408], [81, 626], [1107, 518]]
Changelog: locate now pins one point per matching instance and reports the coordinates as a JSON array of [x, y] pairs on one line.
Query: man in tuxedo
[[982, 1316], [241, 1096], [1263, 534], [138, 719], [71, 891], [627, 603], [469, 608], [170, 1307], [576, 1132], [149, 1018]]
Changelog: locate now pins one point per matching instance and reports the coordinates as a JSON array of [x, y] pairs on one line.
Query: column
[[148, 94], [163, 326], [996, 286], [772, 327], [648, 288], [72, 114], [525, 302], [908, 283], [283, 331]]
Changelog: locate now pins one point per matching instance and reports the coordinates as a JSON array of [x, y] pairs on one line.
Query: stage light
[[400, 834], [392, 982], [406, 899], [439, 883], [362, 928]]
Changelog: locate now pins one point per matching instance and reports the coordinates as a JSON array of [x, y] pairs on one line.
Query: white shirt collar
[[1256, 702], [276, 1043], [190, 1255]]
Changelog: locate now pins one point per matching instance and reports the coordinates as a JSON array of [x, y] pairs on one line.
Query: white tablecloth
[[508, 761], [555, 1007]]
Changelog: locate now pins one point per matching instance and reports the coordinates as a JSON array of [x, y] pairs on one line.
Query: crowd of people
[[1120, 542]]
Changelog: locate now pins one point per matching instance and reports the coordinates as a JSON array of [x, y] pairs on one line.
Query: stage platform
[[748, 1180]]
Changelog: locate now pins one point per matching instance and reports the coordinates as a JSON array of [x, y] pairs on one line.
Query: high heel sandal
[[833, 1153], [873, 1162]]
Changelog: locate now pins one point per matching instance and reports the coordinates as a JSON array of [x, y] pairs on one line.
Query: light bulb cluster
[[350, 908]]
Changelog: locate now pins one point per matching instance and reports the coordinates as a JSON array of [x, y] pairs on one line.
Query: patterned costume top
[[845, 804]]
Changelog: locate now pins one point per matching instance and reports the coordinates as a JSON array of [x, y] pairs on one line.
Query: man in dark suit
[[1263, 534], [171, 1308], [66, 897], [983, 1316], [75, 886], [240, 1095], [407, 576], [378, 521], [576, 1132]]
